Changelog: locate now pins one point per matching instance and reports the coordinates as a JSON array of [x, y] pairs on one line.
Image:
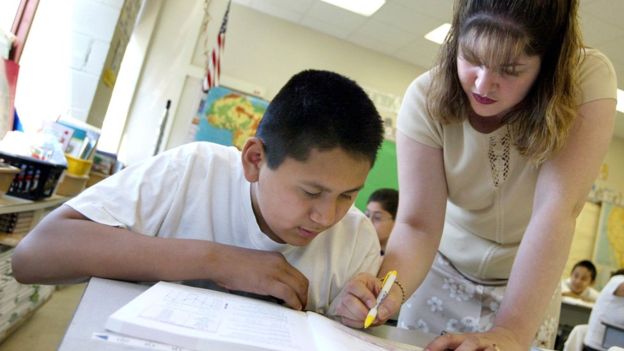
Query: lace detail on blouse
[[498, 154]]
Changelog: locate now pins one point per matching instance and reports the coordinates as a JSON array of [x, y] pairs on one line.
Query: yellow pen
[[385, 289]]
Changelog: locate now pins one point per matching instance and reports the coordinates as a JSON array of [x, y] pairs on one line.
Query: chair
[[575, 339]]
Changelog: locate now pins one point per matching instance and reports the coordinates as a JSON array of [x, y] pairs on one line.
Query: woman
[[497, 149]]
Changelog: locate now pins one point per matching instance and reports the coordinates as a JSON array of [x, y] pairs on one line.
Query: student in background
[[270, 220], [609, 307], [381, 208], [579, 284], [498, 146]]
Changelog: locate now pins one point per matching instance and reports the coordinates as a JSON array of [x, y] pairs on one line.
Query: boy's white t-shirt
[[608, 308], [198, 191], [589, 294]]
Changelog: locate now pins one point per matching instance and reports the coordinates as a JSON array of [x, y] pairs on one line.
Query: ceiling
[[397, 29]]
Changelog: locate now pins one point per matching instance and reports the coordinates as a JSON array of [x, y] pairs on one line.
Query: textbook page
[[197, 318], [331, 335]]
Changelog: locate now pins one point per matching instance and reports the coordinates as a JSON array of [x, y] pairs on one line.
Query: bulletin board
[[383, 175], [609, 246]]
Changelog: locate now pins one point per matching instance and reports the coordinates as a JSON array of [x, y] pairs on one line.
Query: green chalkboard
[[383, 174]]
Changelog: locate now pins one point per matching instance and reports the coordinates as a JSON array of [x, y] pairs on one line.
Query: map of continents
[[228, 117]]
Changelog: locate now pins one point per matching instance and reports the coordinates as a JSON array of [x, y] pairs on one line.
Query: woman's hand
[[495, 339]]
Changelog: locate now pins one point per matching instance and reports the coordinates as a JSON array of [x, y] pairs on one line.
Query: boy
[[381, 208], [579, 284], [275, 219]]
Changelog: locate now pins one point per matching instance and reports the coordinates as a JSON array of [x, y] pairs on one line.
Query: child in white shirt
[[274, 219], [579, 284]]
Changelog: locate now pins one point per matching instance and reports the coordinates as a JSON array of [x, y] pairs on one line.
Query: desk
[[613, 336], [102, 297], [574, 312]]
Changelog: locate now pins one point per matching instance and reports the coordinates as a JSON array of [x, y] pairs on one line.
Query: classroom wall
[[383, 175], [261, 51], [615, 166], [63, 59]]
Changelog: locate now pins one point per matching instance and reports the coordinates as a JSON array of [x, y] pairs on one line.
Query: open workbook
[[201, 319]]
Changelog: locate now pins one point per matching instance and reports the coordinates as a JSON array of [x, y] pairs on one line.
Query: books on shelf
[[84, 137], [17, 300], [19, 222], [199, 319]]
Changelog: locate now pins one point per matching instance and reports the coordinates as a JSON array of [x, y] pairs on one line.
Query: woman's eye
[[510, 71], [347, 196]]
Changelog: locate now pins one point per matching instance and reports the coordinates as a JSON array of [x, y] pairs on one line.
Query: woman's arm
[[561, 191], [414, 239], [420, 216]]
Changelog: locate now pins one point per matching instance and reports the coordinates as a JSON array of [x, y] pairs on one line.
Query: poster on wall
[[227, 117], [609, 247]]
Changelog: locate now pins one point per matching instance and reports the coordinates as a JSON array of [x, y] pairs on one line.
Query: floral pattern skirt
[[449, 301]]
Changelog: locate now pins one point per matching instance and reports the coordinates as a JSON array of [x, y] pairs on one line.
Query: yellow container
[[78, 166]]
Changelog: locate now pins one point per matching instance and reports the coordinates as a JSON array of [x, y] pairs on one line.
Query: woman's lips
[[483, 99]]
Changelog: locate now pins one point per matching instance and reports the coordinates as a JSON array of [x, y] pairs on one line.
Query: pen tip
[[369, 320]]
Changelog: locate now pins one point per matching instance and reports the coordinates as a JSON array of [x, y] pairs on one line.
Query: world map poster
[[228, 117], [609, 247]]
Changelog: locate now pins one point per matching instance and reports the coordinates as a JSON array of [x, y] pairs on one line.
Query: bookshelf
[[33, 210], [18, 301]]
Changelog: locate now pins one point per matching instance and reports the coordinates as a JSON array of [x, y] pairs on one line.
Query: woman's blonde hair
[[497, 31]]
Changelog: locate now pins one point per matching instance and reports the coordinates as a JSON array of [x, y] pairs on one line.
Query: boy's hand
[[359, 296], [263, 273]]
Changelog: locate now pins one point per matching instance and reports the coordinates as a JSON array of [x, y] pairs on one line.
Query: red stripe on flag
[[214, 62]]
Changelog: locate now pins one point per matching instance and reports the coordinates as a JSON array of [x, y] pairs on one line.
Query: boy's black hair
[[320, 110], [589, 265], [388, 198]]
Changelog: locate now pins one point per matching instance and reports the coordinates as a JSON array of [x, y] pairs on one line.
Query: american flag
[[214, 61]]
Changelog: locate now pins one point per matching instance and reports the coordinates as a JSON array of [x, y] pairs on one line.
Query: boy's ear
[[252, 158]]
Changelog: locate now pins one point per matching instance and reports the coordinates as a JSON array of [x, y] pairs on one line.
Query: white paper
[[195, 318], [331, 335], [204, 319]]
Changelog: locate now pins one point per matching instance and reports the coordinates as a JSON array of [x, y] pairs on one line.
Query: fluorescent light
[[437, 35], [620, 100], [362, 7]]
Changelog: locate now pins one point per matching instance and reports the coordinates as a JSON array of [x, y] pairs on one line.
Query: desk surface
[[102, 297], [574, 312], [613, 336]]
